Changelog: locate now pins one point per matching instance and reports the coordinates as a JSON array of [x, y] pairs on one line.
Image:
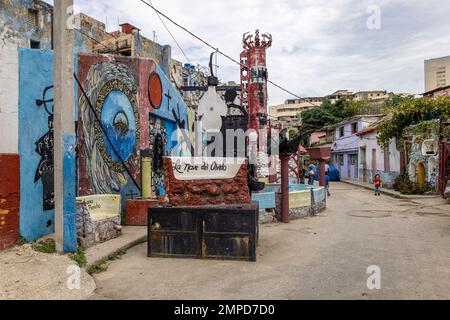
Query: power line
[[215, 49], [173, 37], [97, 41]]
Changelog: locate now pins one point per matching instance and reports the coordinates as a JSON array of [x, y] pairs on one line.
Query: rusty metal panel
[[210, 232]]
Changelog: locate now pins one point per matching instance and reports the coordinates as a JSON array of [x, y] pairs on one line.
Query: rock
[[213, 190]]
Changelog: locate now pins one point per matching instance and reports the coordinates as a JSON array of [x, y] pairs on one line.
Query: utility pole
[[64, 128]]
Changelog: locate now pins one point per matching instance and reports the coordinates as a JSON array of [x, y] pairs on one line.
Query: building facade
[[375, 159], [437, 73], [346, 147], [145, 72], [289, 113]]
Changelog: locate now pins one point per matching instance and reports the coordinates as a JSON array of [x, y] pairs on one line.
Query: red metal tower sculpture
[[254, 77]]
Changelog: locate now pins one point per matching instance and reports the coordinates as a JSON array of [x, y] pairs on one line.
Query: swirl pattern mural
[[113, 142]]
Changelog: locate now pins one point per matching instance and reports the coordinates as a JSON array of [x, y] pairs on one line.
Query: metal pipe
[[146, 175]]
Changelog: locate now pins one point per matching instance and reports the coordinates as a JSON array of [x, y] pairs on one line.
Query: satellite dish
[[211, 109]]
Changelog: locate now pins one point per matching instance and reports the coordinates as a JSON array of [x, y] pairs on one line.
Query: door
[[421, 174], [374, 162], [364, 164]]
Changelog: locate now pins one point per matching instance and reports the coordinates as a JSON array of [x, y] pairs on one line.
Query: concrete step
[[131, 236]]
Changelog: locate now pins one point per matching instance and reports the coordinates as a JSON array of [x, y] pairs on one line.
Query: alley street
[[324, 257]]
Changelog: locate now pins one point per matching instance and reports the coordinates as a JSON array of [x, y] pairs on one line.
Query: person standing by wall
[[378, 184]]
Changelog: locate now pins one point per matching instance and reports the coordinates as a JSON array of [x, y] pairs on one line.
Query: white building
[[375, 159]]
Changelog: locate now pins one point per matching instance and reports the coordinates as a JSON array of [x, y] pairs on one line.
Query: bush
[[404, 185]]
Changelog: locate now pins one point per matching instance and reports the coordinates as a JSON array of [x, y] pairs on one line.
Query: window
[[341, 160], [354, 128], [341, 132], [353, 159], [35, 44], [32, 17]]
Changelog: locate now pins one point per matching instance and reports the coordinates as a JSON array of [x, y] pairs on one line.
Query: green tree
[[409, 112], [330, 113]]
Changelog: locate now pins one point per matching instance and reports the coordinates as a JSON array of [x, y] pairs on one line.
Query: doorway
[[421, 174]]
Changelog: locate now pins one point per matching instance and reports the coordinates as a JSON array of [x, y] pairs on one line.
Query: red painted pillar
[[285, 188]]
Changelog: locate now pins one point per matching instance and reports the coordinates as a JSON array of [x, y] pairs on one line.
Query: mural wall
[[424, 160], [36, 143], [135, 110]]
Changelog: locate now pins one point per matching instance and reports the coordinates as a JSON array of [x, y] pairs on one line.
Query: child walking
[[378, 184]]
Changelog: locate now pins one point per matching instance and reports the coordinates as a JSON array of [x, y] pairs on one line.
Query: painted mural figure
[[45, 170]]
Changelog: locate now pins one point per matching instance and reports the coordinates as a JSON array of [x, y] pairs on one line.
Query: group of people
[[311, 176], [312, 172]]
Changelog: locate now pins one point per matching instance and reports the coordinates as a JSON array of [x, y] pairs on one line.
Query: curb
[[113, 253], [387, 193]]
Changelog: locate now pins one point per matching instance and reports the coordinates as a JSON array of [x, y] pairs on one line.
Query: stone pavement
[[323, 257]]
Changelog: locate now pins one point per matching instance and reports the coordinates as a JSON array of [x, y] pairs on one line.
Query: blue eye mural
[[120, 125], [119, 118]]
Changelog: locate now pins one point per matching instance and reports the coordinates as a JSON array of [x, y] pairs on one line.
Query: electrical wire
[[212, 47], [97, 41], [173, 37]]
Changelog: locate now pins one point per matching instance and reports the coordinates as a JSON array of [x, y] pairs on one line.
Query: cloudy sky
[[319, 46]]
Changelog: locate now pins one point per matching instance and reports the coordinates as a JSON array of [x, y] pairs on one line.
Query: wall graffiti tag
[[44, 147]]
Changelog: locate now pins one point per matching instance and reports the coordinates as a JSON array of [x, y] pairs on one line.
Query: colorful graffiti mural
[[111, 135], [35, 144], [135, 107], [108, 134], [45, 170]]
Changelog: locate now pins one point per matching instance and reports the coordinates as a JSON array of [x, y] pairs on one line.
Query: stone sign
[[185, 169], [206, 181], [102, 207]]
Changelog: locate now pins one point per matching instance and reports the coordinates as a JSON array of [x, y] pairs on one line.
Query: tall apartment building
[[437, 73]]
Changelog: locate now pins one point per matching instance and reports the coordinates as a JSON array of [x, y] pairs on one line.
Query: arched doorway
[[421, 173]]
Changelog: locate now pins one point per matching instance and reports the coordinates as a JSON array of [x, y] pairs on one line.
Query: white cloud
[[319, 45]]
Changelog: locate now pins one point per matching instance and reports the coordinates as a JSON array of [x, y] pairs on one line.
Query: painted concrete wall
[[347, 146], [9, 97], [430, 161], [13, 22], [9, 200], [36, 213], [370, 143]]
